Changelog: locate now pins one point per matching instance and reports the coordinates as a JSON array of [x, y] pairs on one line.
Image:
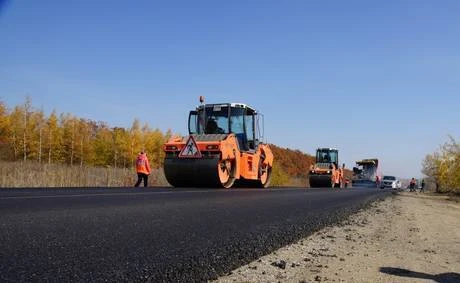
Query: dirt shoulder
[[409, 237]]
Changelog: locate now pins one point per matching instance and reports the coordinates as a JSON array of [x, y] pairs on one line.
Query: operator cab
[[225, 118], [327, 155]]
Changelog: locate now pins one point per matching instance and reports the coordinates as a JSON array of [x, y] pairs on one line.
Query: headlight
[[212, 147]]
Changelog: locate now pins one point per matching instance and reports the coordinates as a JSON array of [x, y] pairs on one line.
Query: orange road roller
[[326, 169], [224, 148]]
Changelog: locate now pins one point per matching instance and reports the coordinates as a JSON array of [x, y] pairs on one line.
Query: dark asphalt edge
[[198, 271], [337, 219]]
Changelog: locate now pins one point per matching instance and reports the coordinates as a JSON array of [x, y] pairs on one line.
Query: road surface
[[157, 234]]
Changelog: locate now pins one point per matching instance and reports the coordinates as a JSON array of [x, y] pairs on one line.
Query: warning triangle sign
[[190, 150]]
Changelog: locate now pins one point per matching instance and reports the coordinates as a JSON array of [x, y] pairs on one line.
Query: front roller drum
[[201, 172], [320, 181]]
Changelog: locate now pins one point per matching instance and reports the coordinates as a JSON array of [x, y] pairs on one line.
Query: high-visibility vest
[[142, 164], [336, 176]]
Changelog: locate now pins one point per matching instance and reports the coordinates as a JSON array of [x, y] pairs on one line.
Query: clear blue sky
[[372, 78]]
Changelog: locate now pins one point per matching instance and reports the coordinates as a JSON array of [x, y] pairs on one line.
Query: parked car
[[390, 182]]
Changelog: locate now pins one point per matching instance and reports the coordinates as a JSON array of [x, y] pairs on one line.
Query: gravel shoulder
[[408, 237]]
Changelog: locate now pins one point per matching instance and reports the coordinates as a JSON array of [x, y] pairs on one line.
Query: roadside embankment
[[409, 237]]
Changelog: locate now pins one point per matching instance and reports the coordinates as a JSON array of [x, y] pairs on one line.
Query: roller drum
[[320, 181], [190, 172]]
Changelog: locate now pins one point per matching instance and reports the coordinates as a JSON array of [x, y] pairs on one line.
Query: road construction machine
[[365, 173], [322, 172], [224, 148]]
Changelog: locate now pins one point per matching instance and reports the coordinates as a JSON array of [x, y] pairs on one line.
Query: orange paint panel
[[249, 166]]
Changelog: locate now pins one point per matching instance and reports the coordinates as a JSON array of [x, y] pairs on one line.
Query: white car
[[390, 182]]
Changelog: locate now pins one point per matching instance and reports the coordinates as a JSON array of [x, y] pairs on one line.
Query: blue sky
[[372, 78]]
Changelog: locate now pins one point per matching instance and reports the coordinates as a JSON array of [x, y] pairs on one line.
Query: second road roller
[[326, 171], [224, 148]]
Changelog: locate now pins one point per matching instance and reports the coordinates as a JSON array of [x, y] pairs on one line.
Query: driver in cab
[[212, 128]]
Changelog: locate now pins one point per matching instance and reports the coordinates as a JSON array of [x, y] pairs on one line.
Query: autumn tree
[[443, 166], [120, 147], [154, 147], [83, 142], [69, 126], [35, 133], [17, 131], [4, 131], [103, 145], [52, 138], [135, 140], [294, 162], [279, 177]]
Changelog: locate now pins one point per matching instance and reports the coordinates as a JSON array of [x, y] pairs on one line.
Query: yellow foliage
[[64, 138], [443, 167], [279, 177]]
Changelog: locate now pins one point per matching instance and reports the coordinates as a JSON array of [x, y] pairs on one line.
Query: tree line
[[27, 133], [443, 167]]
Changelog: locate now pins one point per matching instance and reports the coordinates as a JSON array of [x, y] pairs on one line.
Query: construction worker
[[336, 179], [212, 128], [422, 186], [341, 177], [142, 169], [412, 185]]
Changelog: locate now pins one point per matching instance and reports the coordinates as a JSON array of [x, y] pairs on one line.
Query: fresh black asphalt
[[157, 234]]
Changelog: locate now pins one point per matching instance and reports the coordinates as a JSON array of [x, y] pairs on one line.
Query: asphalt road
[[156, 235]]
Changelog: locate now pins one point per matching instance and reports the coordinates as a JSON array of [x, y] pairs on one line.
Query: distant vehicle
[[322, 172], [365, 173], [390, 182]]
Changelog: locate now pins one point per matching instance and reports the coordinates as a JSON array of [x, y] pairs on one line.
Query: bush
[[279, 177], [443, 167]]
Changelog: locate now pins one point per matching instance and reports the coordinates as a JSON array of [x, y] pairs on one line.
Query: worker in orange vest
[[336, 178], [341, 177], [142, 169]]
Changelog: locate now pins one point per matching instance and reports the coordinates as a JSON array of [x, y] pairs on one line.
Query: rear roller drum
[[226, 173], [265, 175]]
